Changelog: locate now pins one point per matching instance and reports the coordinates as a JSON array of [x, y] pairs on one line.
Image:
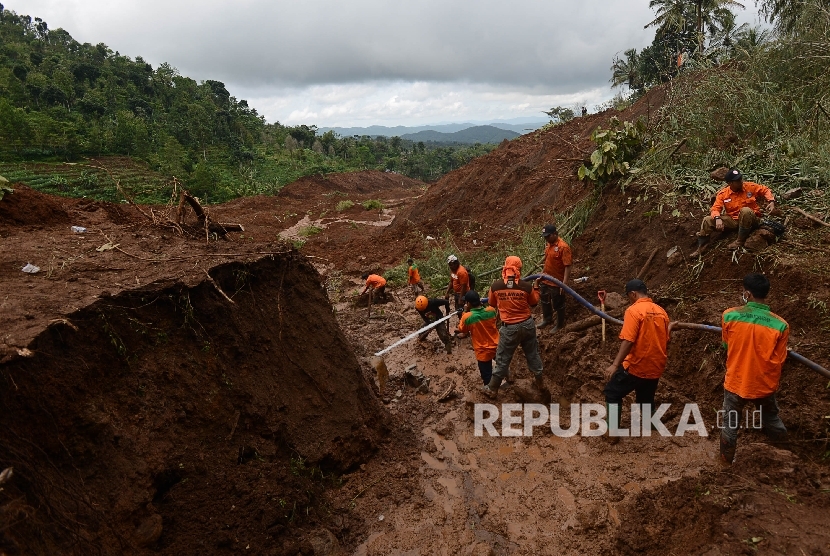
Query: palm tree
[[787, 12], [709, 12], [626, 70], [725, 33], [672, 16]]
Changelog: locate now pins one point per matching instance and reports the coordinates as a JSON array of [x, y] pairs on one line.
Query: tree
[[626, 71], [786, 13], [560, 115], [710, 13]]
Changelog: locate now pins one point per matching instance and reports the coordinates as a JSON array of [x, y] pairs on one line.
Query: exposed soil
[[145, 412]]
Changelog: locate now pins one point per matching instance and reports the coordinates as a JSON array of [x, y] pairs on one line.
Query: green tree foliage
[[60, 99], [617, 148], [560, 115]]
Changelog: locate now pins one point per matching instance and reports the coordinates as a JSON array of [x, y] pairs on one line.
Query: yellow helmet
[[421, 302]]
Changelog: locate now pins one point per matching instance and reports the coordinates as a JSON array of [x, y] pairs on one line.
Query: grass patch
[[309, 231], [344, 205], [372, 204]]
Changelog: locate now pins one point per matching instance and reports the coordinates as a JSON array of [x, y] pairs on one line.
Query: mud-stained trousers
[[511, 336], [747, 220], [442, 330], [731, 418]]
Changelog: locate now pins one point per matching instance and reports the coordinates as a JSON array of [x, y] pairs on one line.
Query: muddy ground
[[172, 395]]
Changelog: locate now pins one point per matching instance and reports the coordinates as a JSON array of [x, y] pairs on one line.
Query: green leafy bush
[[617, 148]]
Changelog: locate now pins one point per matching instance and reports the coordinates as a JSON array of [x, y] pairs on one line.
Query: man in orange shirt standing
[[514, 298], [480, 323], [756, 344], [459, 281], [558, 260], [642, 357], [415, 277], [735, 206]]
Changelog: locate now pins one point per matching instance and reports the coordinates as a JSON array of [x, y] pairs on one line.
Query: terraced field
[[93, 179]]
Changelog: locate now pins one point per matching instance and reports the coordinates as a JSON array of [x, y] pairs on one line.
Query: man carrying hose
[[642, 356], [514, 298], [735, 206], [558, 262], [430, 311], [756, 343], [480, 323]]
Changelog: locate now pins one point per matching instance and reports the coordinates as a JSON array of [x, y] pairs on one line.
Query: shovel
[[601, 296]]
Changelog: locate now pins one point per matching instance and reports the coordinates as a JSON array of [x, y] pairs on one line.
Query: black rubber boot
[[547, 314], [702, 246], [727, 451], [743, 234], [560, 320]]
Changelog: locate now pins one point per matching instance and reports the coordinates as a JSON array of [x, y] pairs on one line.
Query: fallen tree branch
[[811, 217], [215, 285], [643, 270]]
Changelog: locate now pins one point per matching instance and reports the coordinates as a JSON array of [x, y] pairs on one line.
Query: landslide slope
[[523, 181], [164, 393]]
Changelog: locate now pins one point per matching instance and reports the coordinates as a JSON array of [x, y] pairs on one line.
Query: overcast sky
[[385, 62]]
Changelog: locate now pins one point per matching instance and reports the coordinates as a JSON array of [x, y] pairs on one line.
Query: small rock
[[399, 393], [719, 174], [613, 300], [149, 531], [325, 543], [793, 193]]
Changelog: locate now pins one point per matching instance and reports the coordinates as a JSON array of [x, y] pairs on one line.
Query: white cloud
[[373, 60]]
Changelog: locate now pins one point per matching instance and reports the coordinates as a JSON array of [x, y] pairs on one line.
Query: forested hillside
[[63, 101]]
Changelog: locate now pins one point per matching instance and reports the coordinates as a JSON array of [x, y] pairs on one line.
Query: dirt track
[[144, 412]]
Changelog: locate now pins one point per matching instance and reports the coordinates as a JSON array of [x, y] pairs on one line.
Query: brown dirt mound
[[27, 207], [168, 418], [524, 181]]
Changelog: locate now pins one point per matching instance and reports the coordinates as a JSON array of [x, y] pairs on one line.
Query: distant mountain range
[[491, 132], [475, 134]]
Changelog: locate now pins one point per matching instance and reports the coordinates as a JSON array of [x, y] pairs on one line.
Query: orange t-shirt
[[414, 275], [646, 325], [460, 280], [375, 281], [514, 304], [557, 257], [732, 202], [480, 322], [756, 343]]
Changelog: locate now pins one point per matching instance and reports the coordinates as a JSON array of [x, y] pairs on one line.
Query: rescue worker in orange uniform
[[736, 206], [480, 323], [642, 356], [459, 281], [374, 282], [415, 277], [756, 348], [558, 260], [430, 311], [514, 299]]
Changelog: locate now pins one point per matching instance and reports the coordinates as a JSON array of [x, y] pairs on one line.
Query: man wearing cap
[[558, 260], [459, 281], [735, 206], [430, 311], [642, 357], [480, 323], [514, 299], [756, 344]]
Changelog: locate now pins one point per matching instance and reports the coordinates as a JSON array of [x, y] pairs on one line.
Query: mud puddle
[[497, 495]]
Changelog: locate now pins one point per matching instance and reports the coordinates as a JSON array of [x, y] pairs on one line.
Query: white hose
[[414, 334]]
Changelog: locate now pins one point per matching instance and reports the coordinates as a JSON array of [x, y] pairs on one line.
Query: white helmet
[[452, 259]]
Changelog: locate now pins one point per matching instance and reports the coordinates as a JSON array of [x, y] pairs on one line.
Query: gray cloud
[[561, 45], [341, 63]]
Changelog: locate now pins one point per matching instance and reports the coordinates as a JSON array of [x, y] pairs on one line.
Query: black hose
[[687, 325]]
